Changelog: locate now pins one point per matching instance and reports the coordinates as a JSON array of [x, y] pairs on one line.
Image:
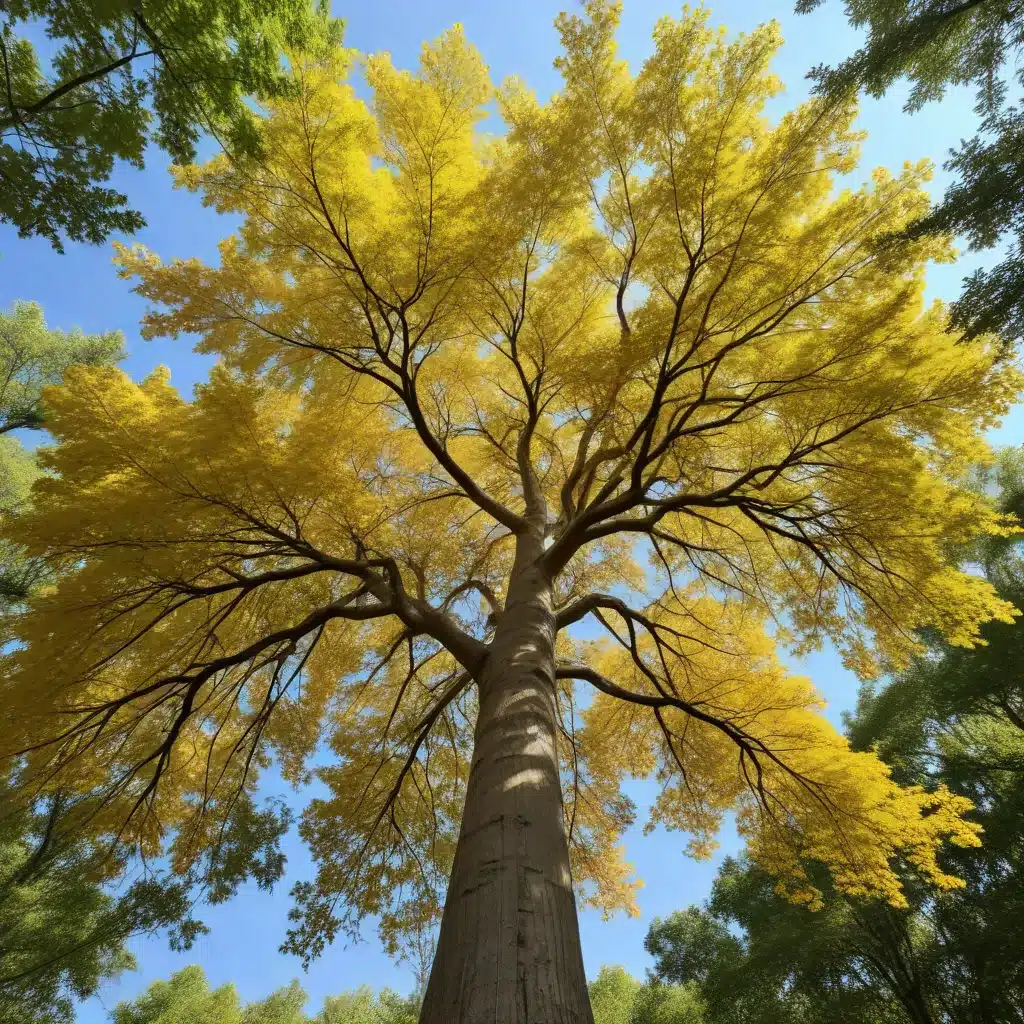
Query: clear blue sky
[[81, 288]]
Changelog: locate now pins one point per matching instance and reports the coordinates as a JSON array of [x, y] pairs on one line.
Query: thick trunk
[[509, 947]]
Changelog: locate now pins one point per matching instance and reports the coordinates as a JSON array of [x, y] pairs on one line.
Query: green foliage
[[935, 43], [281, 1007], [938, 43], [63, 927], [125, 75], [31, 357], [689, 946], [188, 999], [362, 1006], [61, 932], [612, 994], [668, 1004], [790, 964], [955, 717], [18, 573], [618, 998]]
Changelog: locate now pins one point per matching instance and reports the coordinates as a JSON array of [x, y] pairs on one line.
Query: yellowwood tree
[[635, 364]]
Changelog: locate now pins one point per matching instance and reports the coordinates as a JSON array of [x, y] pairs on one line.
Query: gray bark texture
[[509, 951]]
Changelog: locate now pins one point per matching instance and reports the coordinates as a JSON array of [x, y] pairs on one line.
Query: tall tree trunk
[[509, 946]]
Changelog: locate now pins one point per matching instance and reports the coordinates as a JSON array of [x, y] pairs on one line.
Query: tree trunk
[[509, 946]]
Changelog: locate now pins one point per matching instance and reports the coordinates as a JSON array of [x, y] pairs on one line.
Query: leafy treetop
[[187, 996], [937, 44], [31, 357], [126, 74], [639, 347]]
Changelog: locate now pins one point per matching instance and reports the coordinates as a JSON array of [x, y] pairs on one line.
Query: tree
[[187, 996], [125, 75], [612, 994], [693, 947], [667, 1004], [618, 998], [18, 471], [32, 357], [467, 389], [61, 932], [67, 909], [42, 914], [949, 719], [938, 43], [362, 1006], [850, 962]]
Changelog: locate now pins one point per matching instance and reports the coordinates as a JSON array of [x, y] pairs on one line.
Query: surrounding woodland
[[637, 364]]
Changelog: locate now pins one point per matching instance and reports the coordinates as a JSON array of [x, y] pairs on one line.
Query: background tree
[[31, 357], [187, 996], [658, 1003], [634, 363], [67, 908], [612, 994], [845, 962], [953, 719], [61, 933], [938, 43], [124, 75], [618, 998], [363, 1006], [18, 471]]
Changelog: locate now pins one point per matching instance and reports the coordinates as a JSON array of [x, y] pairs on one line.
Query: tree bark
[[508, 951]]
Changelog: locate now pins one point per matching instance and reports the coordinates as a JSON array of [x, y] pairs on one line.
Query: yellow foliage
[[642, 342], [799, 790]]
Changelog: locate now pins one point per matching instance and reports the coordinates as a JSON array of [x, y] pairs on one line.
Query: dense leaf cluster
[[32, 357], [936, 44], [125, 75], [187, 996]]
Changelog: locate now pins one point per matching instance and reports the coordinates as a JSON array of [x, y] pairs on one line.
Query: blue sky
[[81, 288]]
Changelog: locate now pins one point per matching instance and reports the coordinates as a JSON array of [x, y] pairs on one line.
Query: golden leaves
[[799, 791], [645, 330]]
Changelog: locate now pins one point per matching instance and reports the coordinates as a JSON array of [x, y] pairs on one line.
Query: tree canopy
[[618, 998], [61, 932], [124, 75], [936, 44], [636, 362], [31, 357], [612, 994], [187, 996], [67, 907]]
